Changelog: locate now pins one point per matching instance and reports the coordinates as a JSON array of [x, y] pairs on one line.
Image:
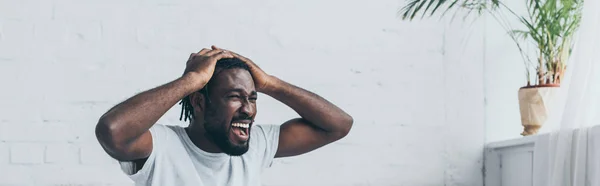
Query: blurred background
[[426, 96]]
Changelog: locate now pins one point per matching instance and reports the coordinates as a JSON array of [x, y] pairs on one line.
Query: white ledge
[[523, 141]]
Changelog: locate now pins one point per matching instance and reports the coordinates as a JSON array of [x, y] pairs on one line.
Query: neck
[[200, 138]]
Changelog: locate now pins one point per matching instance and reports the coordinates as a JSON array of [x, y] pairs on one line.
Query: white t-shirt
[[175, 160]]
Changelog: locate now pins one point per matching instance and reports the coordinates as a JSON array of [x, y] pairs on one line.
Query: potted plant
[[549, 25]]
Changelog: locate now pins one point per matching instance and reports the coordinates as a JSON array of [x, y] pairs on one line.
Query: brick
[[80, 118], [26, 10], [16, 175], [111, 85], [75, 112], [57, 131], [16, 36], [49, 131], [85, 32], [77, 11], [93, 154], [26, 153], [4, 153], [63, 175], [78, 175], [61, 153], [51, 33]]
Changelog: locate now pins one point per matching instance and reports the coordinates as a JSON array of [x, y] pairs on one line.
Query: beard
[[219, 133], [220, 137]]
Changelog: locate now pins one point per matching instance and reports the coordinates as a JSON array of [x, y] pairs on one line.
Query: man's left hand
[[262, 81]]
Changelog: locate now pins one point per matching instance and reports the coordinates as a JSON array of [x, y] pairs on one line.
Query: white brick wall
[[4, 153], [26, 153], [61, 153], [415, 89], [16, 174]]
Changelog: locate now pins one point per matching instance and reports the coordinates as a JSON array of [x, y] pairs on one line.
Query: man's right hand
[[201, 65]]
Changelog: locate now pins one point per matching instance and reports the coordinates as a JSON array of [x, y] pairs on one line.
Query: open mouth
[[241, 130]]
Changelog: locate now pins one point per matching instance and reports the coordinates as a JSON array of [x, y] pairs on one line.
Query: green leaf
[[417, 9], [450, 7], [519, 34], [440, 2], [406, 10], [549, 24], [427, 8]]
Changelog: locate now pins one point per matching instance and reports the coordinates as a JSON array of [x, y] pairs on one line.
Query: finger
[[213, 52], [222, 55], [204, 51], [240, 56], [217, 48], [236, 55]]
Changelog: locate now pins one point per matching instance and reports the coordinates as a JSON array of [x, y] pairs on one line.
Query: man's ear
[[197, 100]]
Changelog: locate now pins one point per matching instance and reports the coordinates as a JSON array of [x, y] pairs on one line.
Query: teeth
[[241, 125]]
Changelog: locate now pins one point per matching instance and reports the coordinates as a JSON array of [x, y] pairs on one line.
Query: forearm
[[311, 107], [137, 114]]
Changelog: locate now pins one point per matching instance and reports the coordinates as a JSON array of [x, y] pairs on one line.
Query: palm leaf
[[449, 8], [417, 9], [520, 34], [549, 24], [408, 9], [414, 7], [427, 8], [440, 2]]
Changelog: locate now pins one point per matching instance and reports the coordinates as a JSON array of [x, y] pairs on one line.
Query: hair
[[187, 110]]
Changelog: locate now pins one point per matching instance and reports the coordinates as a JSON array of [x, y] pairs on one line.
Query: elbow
[[348, 122], [345, 126], [107, 134], [105, 131]]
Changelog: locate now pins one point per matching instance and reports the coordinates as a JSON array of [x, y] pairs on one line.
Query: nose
[[247, 108]]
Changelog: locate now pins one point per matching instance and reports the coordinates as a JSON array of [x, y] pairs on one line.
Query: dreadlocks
[[187, 111]]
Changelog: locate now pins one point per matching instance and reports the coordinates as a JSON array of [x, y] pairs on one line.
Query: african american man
[[221, 145]]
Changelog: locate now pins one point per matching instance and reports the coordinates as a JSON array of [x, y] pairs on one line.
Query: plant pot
[[534, 104]]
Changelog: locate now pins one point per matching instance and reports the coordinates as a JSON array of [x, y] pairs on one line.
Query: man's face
[[230, 110]]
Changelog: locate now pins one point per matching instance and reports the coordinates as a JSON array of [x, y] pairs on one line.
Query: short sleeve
[[268, 143], [158, 133]]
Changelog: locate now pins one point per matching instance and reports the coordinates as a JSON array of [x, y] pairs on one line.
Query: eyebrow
[[253, 93]]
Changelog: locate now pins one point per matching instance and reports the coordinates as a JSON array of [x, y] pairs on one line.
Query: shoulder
[[165, 132], [165, 127], [264, 140], [265, 130], [264, 134], [165, 140]]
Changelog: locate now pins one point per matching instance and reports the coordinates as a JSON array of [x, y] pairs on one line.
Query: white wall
[[416, 90], [504, 75]]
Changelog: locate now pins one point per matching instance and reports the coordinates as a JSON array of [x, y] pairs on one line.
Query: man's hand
[[262, 81], [202, 64]]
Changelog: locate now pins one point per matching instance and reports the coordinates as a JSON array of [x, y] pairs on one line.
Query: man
[[222, 145]]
